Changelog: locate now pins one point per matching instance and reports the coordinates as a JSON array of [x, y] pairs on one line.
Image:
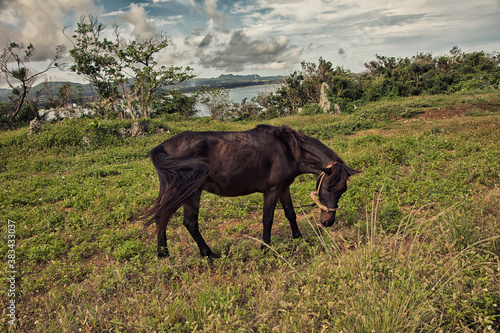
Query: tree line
[[127, 75], [385, 77]]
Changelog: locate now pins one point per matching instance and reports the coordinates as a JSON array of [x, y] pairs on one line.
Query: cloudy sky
[[266, 37]]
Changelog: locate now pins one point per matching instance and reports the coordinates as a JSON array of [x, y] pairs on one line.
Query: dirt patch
[[447, 112], [459, 110]]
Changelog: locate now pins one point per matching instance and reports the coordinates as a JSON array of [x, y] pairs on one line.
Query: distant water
[[237, 95]]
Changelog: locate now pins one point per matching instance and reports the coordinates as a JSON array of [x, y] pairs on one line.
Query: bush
[[175, 102], [311, 109], [388, 77]]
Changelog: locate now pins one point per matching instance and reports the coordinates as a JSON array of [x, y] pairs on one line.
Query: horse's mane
[[291, 137], [340, 174], [297, 142]]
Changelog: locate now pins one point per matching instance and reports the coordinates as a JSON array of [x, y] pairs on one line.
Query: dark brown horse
[[265, 159]]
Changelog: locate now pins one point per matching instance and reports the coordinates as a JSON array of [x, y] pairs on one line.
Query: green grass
[[416, 246]]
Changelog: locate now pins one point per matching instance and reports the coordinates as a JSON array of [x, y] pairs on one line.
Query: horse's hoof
[[264, 247], [213, 256], [163, 254]]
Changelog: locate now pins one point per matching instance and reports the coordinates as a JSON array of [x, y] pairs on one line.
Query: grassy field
[[416, 246]]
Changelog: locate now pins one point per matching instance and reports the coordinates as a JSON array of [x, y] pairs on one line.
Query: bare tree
[[14, 64]]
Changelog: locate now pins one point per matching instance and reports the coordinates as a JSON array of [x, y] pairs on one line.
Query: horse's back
[[241, 162], [225, 144]]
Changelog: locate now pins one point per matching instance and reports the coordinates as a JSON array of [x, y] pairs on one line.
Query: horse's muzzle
[[327, 218]]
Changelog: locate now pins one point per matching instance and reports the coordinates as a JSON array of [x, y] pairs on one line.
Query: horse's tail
[[179, 177]]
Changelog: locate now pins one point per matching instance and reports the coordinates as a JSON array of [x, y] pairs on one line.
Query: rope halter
[[315, 194]]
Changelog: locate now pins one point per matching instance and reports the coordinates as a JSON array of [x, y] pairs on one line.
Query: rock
[[337, 109], [137, 130], [35, 126], [159, 130], [124, 132], [324, 103]]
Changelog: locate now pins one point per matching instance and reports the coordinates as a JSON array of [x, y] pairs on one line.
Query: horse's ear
[[329, 169], [352, 172]]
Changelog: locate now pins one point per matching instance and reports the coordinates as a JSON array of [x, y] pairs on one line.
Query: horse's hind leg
[[286, 202], [162, 250], [162, 244], [191, 210]]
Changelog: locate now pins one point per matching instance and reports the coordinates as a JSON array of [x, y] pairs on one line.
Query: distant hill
[[4, 93], [225, 81], [54, 87]]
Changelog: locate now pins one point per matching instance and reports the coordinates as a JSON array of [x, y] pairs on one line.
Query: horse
[[265, 159]]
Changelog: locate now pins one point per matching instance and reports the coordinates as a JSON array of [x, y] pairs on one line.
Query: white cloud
[[281, 32], [171, 20], [211, 10], [183, 2], [364, 27], [142, 26], [41, 22], [236, 52]]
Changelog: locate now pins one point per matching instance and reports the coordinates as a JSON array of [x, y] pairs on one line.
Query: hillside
[[416, 246]]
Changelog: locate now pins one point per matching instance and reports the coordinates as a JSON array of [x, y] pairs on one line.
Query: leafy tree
[[63, 101], [4, 112], [95, 59], [150, 75], [65, 94], [175, 102], [249, 109], [475, 66], [269, 101], [20, 77], [291, 95], [218, 104], [314, 76], [108, 64]]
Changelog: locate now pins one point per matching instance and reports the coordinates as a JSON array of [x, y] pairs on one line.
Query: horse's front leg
[[270, 198], [191, 210], [286, 202]]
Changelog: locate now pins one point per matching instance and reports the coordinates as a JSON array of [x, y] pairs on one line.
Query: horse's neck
[[314, 165], [316, 156]]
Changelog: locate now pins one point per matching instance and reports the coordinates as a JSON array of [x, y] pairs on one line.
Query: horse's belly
[[229, 188]]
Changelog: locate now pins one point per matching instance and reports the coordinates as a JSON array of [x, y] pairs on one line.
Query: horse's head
[[332, 183]]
